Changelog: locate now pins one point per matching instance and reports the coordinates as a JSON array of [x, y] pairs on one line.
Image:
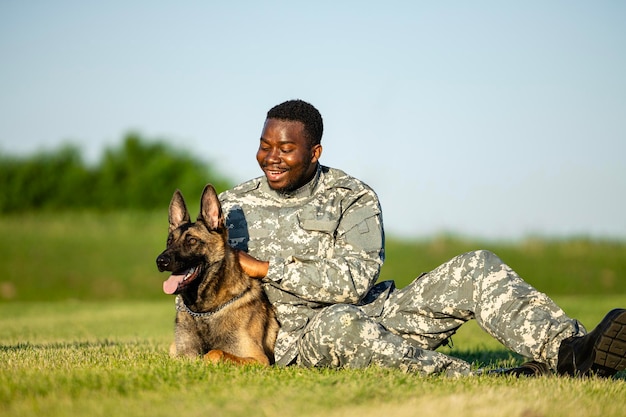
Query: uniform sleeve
[[349, 266]]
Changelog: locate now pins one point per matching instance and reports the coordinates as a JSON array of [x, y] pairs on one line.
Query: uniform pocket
[[312, 220]]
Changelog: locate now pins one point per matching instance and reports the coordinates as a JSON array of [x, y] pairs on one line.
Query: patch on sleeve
[[362, 229]]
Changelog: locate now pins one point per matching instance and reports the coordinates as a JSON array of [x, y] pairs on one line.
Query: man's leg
[[479, 285], [343, 335]]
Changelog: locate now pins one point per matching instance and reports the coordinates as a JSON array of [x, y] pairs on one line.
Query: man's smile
[[275, 174]]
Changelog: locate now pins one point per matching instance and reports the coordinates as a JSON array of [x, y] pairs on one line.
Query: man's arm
[[252, 266]]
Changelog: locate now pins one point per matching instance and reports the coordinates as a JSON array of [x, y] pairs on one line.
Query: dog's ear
[[211, 209], [178, 211]]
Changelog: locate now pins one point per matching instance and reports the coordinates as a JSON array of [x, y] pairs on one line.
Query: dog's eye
[[192, 240]]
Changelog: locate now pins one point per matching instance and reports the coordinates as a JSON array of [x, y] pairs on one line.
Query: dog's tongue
[[171, 285]]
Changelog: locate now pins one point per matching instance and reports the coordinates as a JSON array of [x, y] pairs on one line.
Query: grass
[[45, 256], [577, 265], [111, 256], [110, 358], [85, 329]]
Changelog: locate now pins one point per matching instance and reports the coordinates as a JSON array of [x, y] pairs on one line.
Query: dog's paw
[[214, 356]]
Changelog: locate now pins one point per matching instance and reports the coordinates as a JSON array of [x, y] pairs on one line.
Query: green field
[[85, 327], [109, 358], [89, 256]]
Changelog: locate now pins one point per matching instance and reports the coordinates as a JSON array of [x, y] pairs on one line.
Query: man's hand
[[252, 266]]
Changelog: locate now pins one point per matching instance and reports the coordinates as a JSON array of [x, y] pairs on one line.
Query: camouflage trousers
[[417, 319]]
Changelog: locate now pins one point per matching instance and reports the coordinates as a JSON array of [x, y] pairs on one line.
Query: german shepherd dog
[[222, 313]]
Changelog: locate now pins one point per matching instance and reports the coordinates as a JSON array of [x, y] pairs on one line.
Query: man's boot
[[602, 352]]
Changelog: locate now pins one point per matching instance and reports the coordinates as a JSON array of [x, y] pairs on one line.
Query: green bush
[[137, 175]]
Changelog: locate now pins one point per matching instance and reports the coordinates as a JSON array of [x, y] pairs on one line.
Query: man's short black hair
[[301, 111]]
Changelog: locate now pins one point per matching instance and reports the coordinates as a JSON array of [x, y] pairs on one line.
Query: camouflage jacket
[[324, 243]]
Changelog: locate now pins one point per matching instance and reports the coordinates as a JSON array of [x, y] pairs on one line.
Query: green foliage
[[45, 181], [137, 175]]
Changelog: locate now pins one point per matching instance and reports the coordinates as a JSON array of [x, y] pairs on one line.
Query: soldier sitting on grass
[[314, 236]]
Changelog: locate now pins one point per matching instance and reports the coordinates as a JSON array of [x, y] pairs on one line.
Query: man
[[314, 235]]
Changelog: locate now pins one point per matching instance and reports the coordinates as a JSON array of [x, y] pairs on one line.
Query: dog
[[222, 313]]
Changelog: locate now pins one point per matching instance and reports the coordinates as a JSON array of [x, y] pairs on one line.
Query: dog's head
[[192, 247]]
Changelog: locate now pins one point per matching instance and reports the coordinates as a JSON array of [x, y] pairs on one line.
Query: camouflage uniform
[[325, 247]]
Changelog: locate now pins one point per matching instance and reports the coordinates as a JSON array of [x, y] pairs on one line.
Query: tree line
[[139, 174]]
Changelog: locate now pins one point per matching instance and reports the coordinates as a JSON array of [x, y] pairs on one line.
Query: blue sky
[[488, 119]]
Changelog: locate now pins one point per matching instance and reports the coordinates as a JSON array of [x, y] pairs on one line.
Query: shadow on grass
[[499, 358], [487, 358]]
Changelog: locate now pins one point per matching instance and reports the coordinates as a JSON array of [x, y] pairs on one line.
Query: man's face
[[285, 155]]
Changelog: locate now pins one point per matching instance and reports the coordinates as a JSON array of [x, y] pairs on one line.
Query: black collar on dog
[[181, 306]]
